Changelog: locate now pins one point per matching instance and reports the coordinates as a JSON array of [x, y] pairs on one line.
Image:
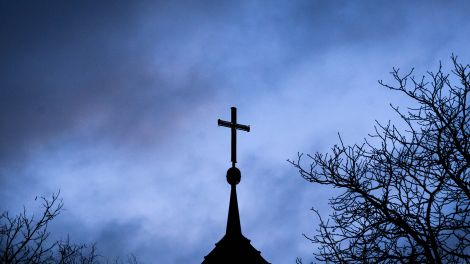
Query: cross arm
[[242, 127], [221, 122], [230, 124]]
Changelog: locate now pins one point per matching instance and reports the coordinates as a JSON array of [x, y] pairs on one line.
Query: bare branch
[[406, 194]]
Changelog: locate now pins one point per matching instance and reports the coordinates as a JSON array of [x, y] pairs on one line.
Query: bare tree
[[25, 239], [405, 193]]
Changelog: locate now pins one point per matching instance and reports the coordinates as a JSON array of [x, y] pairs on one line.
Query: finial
[[233, 176]]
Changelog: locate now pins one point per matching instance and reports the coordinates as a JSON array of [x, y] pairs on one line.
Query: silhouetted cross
[[234, 126]]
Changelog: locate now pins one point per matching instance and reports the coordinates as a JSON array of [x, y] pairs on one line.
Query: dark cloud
[[64, 65], [139, 63]]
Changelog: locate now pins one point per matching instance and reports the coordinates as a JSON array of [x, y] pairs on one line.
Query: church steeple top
[[234, 247], [233, 175]]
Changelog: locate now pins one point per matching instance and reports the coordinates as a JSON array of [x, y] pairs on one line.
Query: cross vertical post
[[233, 127], [234, 135]]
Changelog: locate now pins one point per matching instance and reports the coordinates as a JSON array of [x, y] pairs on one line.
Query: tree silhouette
[[405, 193], [25, 239]]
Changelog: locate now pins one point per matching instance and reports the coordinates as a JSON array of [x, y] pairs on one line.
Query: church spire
[[234, 247], [233, 174]]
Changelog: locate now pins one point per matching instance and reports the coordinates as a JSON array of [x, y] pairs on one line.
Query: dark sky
[[116, 103]]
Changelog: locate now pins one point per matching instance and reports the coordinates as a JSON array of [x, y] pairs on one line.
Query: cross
[[234, 126]]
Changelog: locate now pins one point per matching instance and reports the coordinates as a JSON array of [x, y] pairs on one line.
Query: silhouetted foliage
[[25, 239], [405, 193]]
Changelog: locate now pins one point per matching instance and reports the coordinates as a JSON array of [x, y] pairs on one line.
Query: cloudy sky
[[115, 104]]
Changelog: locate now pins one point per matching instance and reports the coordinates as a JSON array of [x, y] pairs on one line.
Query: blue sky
[[116, 103]]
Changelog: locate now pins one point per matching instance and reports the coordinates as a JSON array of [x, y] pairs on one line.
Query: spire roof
[[234, 247], [233, 220]]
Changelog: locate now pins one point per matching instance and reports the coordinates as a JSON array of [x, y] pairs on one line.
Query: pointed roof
[[234, 247], [233, 220]]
